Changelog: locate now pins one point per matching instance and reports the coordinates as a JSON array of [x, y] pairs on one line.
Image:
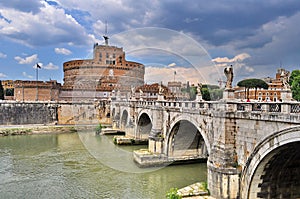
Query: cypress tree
[[1, 91]]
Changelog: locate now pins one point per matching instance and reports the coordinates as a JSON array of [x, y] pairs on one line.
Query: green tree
[[205, 94], [211, 92], [193, 92], [252, 83], [295, 84], [294, 74], [9, 92], [1, 91]]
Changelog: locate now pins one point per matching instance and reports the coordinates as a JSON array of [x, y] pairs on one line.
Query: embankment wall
[[18, 113]]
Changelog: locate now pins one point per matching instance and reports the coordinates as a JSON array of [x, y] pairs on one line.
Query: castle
[[87, 79]]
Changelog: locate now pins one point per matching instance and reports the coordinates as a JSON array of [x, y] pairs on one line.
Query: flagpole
[[174, 75], [37, 79], [37, 90]]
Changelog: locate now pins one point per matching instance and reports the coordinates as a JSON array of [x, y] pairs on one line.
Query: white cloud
[[49, 26], [238, 62], [2, 55], [190, 20], [172, 64], [63, 51], [2, 75], [27, 75], [206, 75], [49, 66], [238, 58], [27, 60]]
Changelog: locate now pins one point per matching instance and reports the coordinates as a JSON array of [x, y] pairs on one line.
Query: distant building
[[277, 86], [36, 90], [7, 84], [96, 78], [149, 92], [176, 89]]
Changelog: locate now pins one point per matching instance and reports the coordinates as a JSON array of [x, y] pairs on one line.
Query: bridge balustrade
[[281, 107], [274, 107], [256, 107], [295, 108]]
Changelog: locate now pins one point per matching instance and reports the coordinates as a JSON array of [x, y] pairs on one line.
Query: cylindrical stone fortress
[[107, 71]]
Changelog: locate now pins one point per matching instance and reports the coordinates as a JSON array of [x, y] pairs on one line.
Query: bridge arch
[[186, 139], [273, 169], [124, 119], [113, 112], [144, 125], [195, 123]]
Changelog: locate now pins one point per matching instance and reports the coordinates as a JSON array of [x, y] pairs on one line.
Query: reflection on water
[[62, 166]]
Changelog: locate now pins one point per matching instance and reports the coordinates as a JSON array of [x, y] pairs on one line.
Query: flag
[[38, 66]]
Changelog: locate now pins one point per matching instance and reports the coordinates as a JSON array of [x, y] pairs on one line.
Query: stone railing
[[265, 107]]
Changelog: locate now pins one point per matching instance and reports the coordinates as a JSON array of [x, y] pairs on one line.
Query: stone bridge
[[252, 149]]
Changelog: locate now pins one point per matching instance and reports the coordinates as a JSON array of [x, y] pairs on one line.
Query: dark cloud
[[220, 22]]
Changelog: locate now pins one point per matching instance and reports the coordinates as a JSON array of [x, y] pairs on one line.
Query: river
[[83, 165]]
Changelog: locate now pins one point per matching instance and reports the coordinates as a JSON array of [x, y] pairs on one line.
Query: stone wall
[[14, 113], [79, 113], [36, 90]]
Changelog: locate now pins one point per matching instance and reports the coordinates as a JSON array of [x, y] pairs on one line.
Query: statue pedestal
[[286, 95], [160, 97], [228, 94], [198, 98]]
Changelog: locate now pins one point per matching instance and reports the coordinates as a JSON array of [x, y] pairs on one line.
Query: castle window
[[114, 55], [107, 55], [100, 55]]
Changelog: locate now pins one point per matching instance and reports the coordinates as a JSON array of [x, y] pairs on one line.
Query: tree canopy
[[295, 84], [211, 92], [253, 83]]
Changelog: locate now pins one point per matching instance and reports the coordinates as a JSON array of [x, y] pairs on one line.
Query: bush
[[99, 128], [172, 194]]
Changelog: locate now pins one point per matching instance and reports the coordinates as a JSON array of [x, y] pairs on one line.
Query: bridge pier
[[223, 182], [155, 141], [223, 169]]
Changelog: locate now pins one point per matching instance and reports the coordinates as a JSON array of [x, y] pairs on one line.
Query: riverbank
[[41, 129]]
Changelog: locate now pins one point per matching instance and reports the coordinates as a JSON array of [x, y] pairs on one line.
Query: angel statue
[[160, 90], [229, 75], [199, 87], [132, 91]]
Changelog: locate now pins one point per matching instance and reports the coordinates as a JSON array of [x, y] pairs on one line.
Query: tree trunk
[[247, 93]]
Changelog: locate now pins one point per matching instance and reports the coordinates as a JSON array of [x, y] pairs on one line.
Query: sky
[[175, 39]]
